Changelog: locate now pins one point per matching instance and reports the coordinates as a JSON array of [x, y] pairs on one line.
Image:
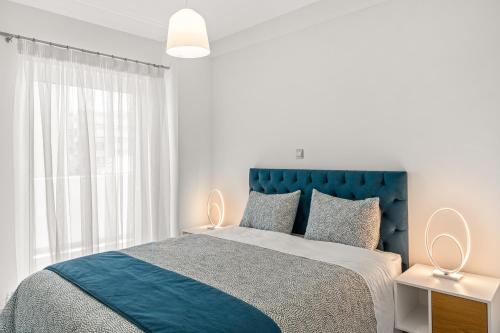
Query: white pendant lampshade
[[187, 35]]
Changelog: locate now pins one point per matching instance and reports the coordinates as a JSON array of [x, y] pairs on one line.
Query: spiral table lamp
[[452, 274]]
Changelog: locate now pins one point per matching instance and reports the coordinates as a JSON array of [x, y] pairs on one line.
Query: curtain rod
[[9, 37]]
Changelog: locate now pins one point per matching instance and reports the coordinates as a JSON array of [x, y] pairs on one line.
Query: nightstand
[[203, 228], [425, 303]]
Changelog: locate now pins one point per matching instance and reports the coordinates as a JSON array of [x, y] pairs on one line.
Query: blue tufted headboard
[[389, 186]]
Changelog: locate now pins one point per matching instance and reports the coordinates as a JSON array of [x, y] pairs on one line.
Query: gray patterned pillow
[[274, 212], [350, 222]]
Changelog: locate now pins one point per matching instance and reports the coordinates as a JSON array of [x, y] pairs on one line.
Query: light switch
[[299, 153]]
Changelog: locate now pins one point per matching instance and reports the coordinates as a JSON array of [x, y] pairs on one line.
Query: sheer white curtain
[[95, 155]]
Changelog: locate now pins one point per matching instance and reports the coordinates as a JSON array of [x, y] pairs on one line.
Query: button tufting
[[348, 185]]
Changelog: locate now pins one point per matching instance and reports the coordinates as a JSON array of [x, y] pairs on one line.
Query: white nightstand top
[[475, 287], [204, 228]]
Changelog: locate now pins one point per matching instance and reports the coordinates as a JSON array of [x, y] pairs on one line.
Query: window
[[93, 157]]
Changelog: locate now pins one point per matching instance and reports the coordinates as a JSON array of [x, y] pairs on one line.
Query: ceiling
[[149, 18]]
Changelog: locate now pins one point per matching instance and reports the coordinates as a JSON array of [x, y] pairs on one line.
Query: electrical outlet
[[299, 153]]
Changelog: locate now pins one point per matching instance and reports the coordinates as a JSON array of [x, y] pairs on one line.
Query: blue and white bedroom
[[250, 166]]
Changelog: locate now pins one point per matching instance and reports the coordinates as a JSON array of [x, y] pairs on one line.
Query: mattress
[[302, 285]]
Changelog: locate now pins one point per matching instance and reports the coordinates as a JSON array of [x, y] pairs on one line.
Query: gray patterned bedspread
[[299, 294]]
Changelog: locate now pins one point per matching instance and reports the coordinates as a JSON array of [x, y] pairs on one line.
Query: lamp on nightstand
[[215, 203], [452, 274]]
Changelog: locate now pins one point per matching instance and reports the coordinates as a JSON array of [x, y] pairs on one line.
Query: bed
[[233, 280]]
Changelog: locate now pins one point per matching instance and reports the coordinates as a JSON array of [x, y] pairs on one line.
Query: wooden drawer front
[[458, 315]]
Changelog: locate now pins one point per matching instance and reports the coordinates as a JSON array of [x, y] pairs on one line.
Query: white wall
[[405, 85], [195, 140], [193, 79]]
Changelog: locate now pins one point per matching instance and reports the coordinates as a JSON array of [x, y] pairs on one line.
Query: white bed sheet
[[377, 268]]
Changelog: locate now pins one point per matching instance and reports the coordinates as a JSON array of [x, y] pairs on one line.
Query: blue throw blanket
[[159, 300]]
